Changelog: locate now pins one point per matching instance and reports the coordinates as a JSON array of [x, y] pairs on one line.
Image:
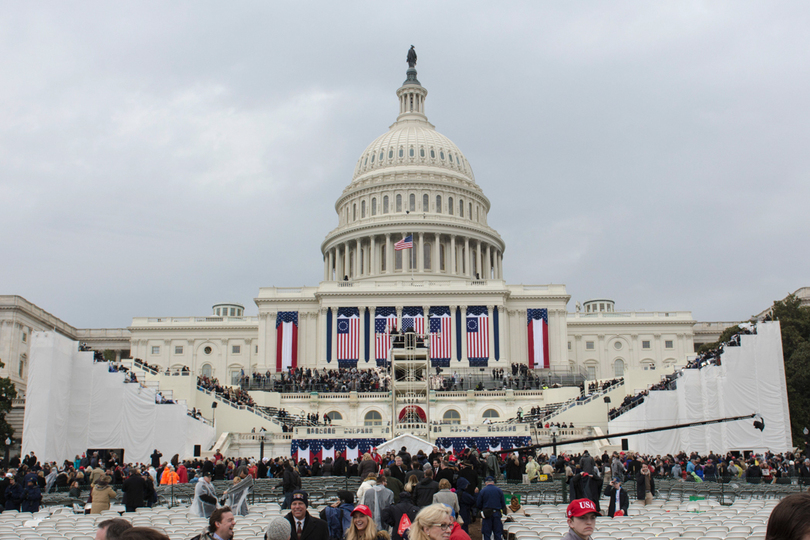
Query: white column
[[270, 339], [325, 265], [420, 255], [357, 258], [320, 339], [346, 260], [389, 260], [453, 332], [479, 265], [491, 331], [452, 254], [467, 258], [436, 266], [375, 268], [464, 356], [399, 318], [488, 265]]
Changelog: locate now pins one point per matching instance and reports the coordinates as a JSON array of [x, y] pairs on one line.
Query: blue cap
[[489, 479]]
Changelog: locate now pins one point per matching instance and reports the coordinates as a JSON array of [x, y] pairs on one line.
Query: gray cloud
[[156, 158]]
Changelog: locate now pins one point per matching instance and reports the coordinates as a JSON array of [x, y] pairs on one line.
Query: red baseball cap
[[363, 509], [580, 507]]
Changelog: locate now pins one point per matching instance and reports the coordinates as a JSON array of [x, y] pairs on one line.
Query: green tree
[[794, 320], [7, 393]]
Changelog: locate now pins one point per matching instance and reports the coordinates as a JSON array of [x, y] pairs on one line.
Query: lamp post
[[214, 414], [8, 449]]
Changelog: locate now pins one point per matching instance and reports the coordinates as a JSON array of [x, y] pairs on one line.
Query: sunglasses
[[444, 526]]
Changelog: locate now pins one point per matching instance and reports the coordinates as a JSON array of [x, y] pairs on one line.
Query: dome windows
[[412, 201], [441, 155], [410, 152], [438, 204], [385, 204], [432, 154], [365, 162], [391, 154], [421, 152], [382, 154], [399, 203], [450, 205], [374, 206], [460, 208], [425, 203], [401, 152], [372, 159], [363, 207]]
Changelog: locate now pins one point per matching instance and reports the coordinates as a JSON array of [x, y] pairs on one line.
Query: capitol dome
[[412, 181]]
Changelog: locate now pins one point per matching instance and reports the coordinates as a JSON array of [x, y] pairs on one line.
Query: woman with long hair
[[363, 526], [410, 485], [432, 523]]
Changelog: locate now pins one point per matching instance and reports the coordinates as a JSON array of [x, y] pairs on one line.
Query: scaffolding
[[410, 370]]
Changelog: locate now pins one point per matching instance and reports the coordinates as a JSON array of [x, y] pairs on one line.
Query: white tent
[[411, 442]]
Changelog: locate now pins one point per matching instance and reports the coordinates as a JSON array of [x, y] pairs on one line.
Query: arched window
[[438, 204], [362, 209], [385, 204], [399, 203], [372, 418], [23, 359], [205, 371], [362, 261], [618, 368], [412, 202], [469, 208], [374, 206], [334, 415], [461, 208], [426, 255], [354, 212], [477, 213], [398, 260], [451, 417], [425, 203], [441, 258], [382, 259], [450, 205], [491, 413]]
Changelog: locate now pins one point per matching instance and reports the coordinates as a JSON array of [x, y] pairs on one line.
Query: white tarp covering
[[411, 442], [750, 379], [73, 404]]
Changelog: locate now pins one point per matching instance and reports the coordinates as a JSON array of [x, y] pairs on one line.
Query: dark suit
[[134, 489], [314, 528]]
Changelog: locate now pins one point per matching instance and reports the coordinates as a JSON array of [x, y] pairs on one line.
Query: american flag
[[405, 243], [440, 336], [413, 317], [385, 320], [538, 337], [348, 335], [477, 335]]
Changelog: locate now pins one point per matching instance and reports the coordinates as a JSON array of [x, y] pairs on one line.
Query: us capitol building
[[410, 181]]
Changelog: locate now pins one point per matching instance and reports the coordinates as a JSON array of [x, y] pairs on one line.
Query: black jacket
[[641, 488], [156, 459], [134, 489], [314, 528], [393, 514], [425, 490], [624, 500]]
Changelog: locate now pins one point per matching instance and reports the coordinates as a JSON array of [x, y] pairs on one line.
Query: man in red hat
[[581, 515]]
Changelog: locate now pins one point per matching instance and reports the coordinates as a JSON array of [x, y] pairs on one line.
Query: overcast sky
[[158, 157]]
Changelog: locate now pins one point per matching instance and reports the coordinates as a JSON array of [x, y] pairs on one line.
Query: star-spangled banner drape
[[310, 449], [478, 335], [537, 320], [413, 317], [440, 336], [385, 320], [348, 336], [492, 444], [286, 340]]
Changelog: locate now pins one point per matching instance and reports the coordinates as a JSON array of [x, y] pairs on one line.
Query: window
[[23, 359], [460, 208], [421, 152], [382, 259], [374, 206], [398, 260], [334, 415], [354, 212], [25, 337], [155, 349], [618, 368], [257, 349], [617, 345], [432, 154], [591, 372], [385, 204], [469, 210], [206, 370], [236, 374], [217, 312], [441, 155], [569, 345], [645, 344], [372, 418], [401, 152], [425, 203], [236, 349], [491, 413], [441, 258], [362, 209], [450, 205], [412, 202], [451, 417], [648, 365], [426, 255], [178, 349], [669, 344], [589, 345], [438, 204], [207, 350], [399, 203], [410, 152], [391, 153], [233, 312], [382, 154]]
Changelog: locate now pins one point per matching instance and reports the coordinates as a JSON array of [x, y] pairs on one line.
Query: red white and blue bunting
[[321, 449]]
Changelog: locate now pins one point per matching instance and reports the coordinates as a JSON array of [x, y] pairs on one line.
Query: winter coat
[[392, 516]]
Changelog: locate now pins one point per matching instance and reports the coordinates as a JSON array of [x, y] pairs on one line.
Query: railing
[[450, 430], [340, 431]]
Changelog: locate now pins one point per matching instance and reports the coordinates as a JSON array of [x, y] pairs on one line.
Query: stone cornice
[[133, 329], [472, 230]]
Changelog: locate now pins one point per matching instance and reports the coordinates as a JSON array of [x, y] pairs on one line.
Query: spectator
[[303, 526], [134, 489], [445, 496], [400, 516], [619, 500], [220, 525], [492, 503], [790, 519], [426, 489], [645, 485], [378, 498], [112, 529], [432, 523], [102, 494], [581, 514]]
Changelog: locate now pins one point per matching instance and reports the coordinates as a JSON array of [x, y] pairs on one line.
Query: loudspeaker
[[625, 445], [607, 399], [196, 450]]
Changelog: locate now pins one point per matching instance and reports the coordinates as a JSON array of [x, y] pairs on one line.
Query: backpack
[[338, 522]]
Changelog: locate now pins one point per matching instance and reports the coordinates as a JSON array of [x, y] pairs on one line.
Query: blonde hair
[[444, 483], [426, 518], [367, 456], [369, 534], [411, 483]]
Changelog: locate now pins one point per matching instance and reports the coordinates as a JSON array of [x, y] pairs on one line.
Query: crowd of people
[[630, 401], [713, 356], [236, 396], [320, 380]]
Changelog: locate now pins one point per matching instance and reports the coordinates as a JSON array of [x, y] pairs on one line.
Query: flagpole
[[412, 253]]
